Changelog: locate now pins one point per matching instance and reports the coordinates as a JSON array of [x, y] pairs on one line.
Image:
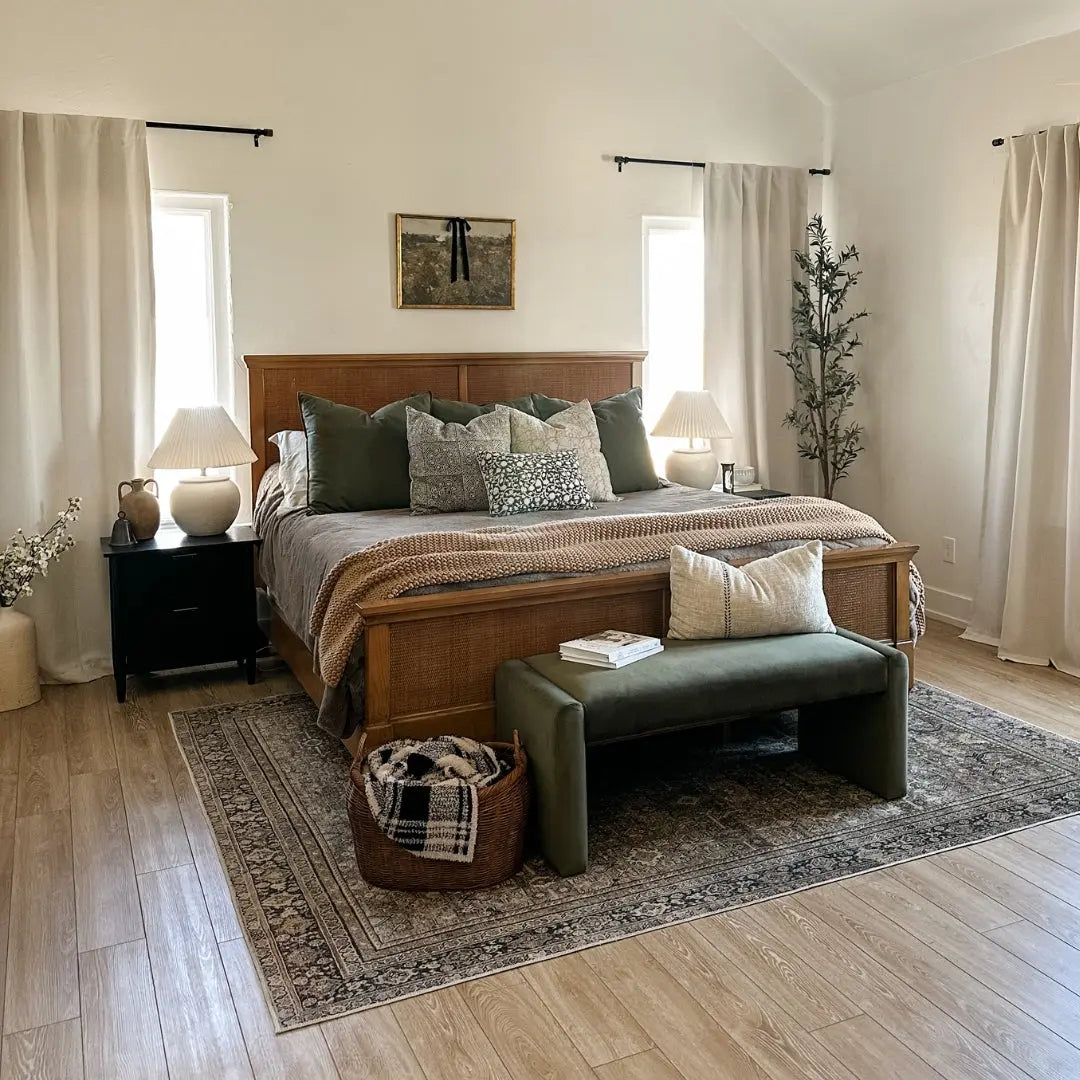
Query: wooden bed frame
[[430, 660]]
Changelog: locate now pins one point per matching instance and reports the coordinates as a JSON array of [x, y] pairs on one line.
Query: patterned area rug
[[682, 826]]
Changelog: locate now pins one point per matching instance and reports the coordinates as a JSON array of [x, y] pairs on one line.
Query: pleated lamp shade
[[692, 414], [203, 437]]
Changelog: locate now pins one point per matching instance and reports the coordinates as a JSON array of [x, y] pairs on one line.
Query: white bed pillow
[[572, 429], [292, 452], [781, 594]]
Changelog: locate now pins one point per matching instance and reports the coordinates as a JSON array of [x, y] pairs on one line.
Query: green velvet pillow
[[623, 438], [461, 412], [357, 460]]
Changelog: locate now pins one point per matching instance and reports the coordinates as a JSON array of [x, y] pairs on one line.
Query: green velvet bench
[[850, 692]]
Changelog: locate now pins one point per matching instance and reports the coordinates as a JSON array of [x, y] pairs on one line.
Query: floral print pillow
[[525, 483]]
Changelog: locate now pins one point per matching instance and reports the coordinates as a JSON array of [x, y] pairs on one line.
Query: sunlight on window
[[674, 258], [189, 278]]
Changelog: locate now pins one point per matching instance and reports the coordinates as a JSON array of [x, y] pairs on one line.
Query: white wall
[[917, 186], [485, 107]]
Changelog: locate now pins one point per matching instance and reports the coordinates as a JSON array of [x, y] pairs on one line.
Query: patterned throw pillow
[[781, 594], [442, 460], [623, 438], [571, 429], [523, 483]]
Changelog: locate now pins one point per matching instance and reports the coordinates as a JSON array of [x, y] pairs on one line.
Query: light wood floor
[[121, 956]]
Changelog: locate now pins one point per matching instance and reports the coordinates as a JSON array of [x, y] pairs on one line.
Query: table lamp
[[692, 414], [202, 438]]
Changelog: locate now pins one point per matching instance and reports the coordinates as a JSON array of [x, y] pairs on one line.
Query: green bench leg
[[551, 726], [863, 738]]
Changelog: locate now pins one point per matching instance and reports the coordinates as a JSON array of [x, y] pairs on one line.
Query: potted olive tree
[[823, 343]]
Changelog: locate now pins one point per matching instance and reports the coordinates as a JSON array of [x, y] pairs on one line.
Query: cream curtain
[[755, 217], [1028, 594], [76, 355]]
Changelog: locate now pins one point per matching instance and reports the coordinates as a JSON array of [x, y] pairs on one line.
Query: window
[[674, 306], [192, 304]]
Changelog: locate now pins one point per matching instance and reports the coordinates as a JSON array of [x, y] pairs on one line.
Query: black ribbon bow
[[458, 228]]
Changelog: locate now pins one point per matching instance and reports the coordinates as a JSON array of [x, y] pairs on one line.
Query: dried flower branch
[[26, 557]]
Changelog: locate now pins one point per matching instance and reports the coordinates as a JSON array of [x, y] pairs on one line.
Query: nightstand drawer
[[186, 636], [179, 579], [170, 581]]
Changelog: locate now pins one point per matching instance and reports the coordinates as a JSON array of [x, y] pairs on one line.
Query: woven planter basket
[[502, 812]]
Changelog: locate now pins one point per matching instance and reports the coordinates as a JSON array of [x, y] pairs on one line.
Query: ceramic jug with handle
[[140, 506]]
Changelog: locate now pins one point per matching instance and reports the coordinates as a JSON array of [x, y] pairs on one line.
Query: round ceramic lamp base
[[695, 468], [19, 685], [205, 505]]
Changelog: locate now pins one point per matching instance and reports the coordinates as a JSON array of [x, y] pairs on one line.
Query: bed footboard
[[430, 660]]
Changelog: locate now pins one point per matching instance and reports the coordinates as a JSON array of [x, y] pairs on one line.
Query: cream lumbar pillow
[[781, 594], [572, 429]]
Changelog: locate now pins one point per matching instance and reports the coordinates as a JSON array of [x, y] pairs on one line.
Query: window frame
[[214, 208], [670, 223], [660, 223], [229, 388]]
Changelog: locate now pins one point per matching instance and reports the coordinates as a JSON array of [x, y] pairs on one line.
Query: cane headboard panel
[[368, 381]]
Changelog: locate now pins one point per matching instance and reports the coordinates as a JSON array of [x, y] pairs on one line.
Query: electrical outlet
[[948, 549]]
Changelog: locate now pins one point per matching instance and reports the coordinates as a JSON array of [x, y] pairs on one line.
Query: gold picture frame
[[444, 264]]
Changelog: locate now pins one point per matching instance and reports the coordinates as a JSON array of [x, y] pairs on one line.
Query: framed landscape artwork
[[455, 262]]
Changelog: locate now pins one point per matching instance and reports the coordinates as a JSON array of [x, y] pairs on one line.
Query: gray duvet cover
[[299, 549]]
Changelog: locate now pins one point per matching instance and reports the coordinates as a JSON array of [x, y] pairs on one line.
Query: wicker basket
[[502, 811]]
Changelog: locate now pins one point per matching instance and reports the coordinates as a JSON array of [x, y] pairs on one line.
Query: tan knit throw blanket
[[392, 567]]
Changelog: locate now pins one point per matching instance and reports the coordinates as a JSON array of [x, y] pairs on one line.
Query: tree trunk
[[824, 459]]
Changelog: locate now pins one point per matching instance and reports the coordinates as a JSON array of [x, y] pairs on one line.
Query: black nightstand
[[182, 601]]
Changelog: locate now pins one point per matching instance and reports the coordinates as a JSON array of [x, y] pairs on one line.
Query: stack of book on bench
[[610, 649]]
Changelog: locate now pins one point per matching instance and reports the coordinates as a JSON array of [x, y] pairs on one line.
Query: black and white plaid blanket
[[423, 794]]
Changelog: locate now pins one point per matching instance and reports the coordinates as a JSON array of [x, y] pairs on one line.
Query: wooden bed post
[[902, 630], [377, 716]]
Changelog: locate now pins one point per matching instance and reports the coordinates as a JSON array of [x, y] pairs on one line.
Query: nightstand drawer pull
[[190, 555], [184, 610]]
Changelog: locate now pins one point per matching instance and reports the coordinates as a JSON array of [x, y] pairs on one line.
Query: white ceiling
[[843, 47]]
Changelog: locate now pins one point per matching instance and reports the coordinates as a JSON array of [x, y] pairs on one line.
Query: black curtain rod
[[1002, 142], [255, 133], [622, 159]]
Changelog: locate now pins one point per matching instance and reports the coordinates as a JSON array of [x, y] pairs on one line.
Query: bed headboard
[[368, 381]]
